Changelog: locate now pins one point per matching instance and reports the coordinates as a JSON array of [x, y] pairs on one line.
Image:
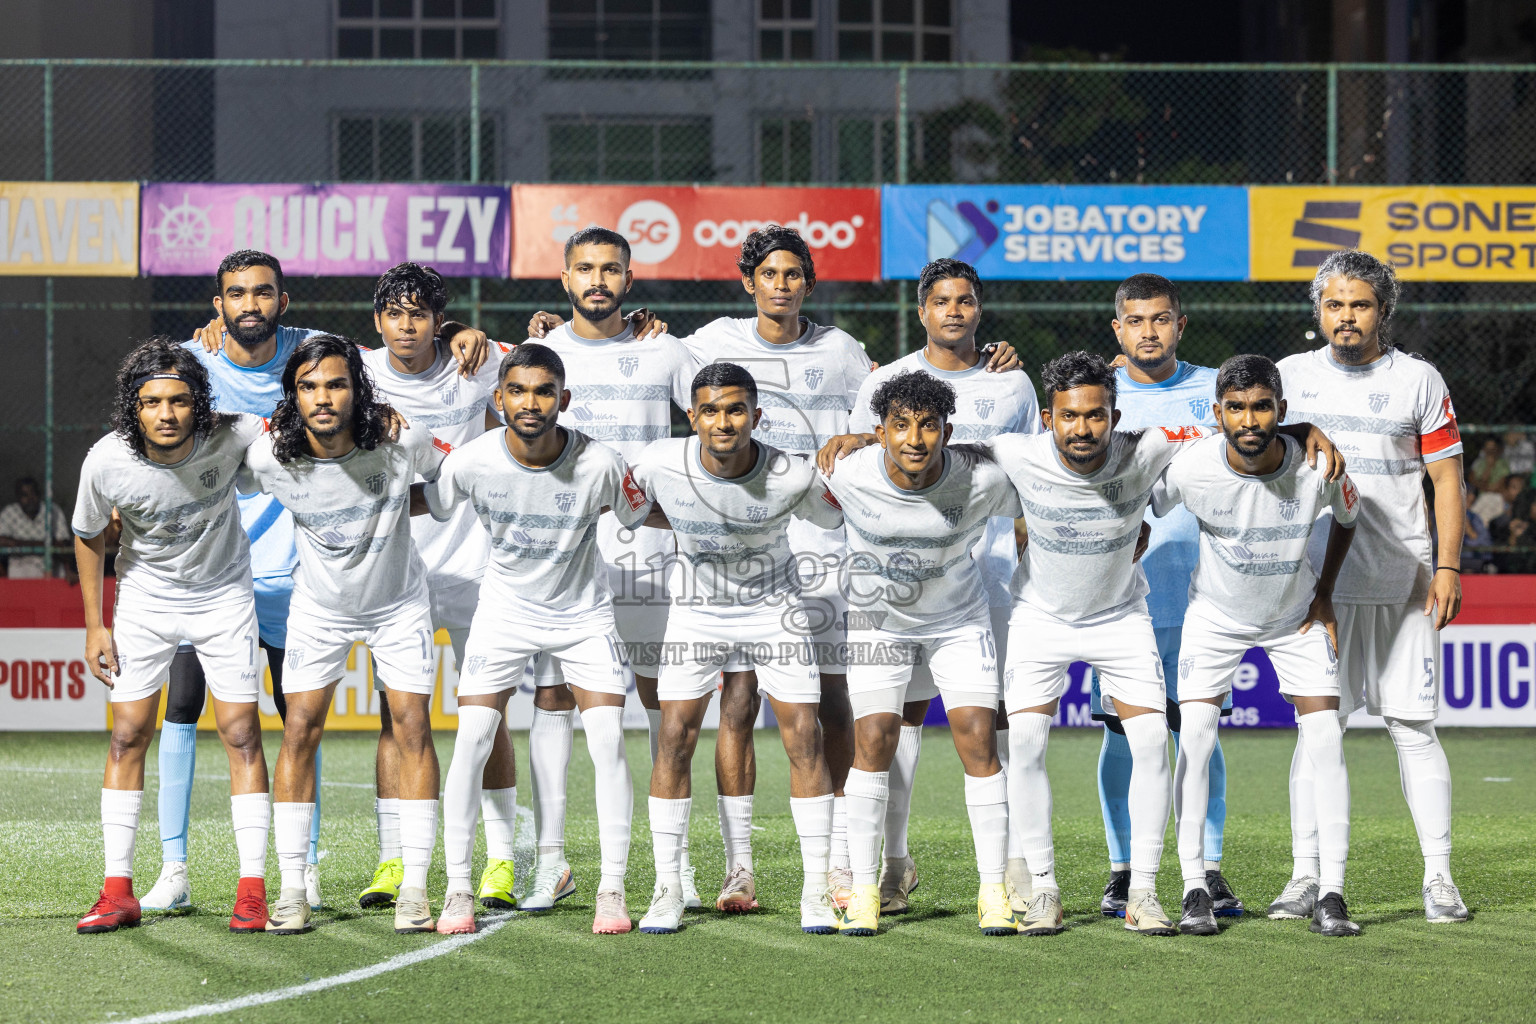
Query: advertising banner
[[69, 228], [44, 684], [1427, 233], [1068, 232], [694, 233], [327, 230]]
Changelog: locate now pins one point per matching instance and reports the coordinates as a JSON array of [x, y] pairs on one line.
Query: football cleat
[[691, 899], [1443, 903], [612, 916], [739, 893], [1223, 899], [1113, 903], [862, 914], [665, 915], [291, 915], [1199, 914], [994, 916], [1331, 917], [1296, 901], [1145, 915], [817, 914], [112, 910], [898, 880], [413, 913], [1020, 885], [458, 916], [495, 886], [840, 886], [552, 882], [1043, 915], [250, 906], [386, 884], [171, 891], [312, 884]]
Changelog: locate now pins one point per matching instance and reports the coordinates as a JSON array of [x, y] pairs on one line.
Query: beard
[[1251, 448], [1076, 458], [163, 448], [1354, 352], [611, 305], [545, 425], [249, 336], [1146, 364], [326, 433]]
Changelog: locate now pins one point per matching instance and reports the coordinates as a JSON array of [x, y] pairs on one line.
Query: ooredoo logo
[[652, 229], [818, 234]]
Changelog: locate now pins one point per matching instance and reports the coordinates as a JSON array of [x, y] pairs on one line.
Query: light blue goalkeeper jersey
[[1174, 548]]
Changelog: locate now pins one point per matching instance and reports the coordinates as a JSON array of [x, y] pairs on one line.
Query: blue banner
[[1068, 232]]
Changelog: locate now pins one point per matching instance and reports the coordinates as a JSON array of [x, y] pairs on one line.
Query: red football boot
[[115, 908], [250, 906]]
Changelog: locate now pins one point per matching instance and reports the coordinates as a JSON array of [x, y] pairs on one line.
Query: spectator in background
[[1475, 544], [1514, 523], [1490, 468], [1487, 505], [1520, 453], [22, 525]]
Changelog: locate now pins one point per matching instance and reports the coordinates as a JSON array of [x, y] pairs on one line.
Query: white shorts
[[962, 663], [640, 603], [1123, 649], [1210, 650], [223, 630], [922, 686], [587, 655], [453, 609], [698, 648], [1389, 661], [825, 610], [404, 656]]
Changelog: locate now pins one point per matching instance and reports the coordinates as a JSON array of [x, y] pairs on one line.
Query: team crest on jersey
[[1185, 665], [376, 482], [1289, 507], [1378, 400], [1198, 407], [813, 375], [1113, 490], [1244, 552], [984, 407], [449, 394], [521, 537], [628, 365], [757, 513], [210, 477], [705, 544], [565, 500], [474, 663], [952, 515], [1066, 530]]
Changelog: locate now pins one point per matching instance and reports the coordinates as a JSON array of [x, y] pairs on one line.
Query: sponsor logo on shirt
[[952, 515], [376, 482], [442, 446], [449, 394], [1378, 400], [984, 407], [1309, 394], [628, 365], [565, 500], [1181, 433], [1040, 488], [813, 375], [633, 492], [1289, 507], [1351, 494], [1112, 490], [210, 478], [826, 496]]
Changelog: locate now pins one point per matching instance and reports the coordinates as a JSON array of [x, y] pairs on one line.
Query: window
[[786, 30], [904, 30], [677, 150], [411, 29], [850, 150], [785, 153], [629, 30], [411, 147]]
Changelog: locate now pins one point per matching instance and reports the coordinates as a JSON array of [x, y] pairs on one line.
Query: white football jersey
[[1083, 529], [1253, 567], [354, 521], [452, 408], [542, 523], [910, 570], [181, 532], [1389, 418], [733, 534]]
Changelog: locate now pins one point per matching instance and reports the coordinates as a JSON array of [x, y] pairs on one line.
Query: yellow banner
[[1427, 233], [69, 228]]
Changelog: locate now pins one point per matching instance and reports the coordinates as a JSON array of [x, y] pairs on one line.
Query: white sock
[[1002, 746], [386, 810], [839, 851], [120, 827], [418, 835], [290, 838], [986, 801], [615, 793], [1029, 795], [1323, 739], [1303, 789], [1427, 787], [736, 831], [653, 723], [669, 824], [813, 824], [1192, 788], [549, 758], [866, 794], [252, 817], [1151, 793], [898, 808], [498, 807], [461, 791]]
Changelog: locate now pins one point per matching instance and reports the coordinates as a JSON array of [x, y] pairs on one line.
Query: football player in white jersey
[[623, 389], [1395, 412], [1256, 501], [417, 375], [539, 491], [184, 574], [915, 509], [330, 462], [736, 600]]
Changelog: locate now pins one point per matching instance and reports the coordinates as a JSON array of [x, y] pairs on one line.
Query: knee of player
[[244, 737], [802, 740], [130, 740]]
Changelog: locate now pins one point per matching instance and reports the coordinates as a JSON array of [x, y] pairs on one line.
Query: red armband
[[1440, 440]]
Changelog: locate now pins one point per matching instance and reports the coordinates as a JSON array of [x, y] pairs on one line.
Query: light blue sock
[[1114, 795], [1216, 811], [178, 763], [314, 824]]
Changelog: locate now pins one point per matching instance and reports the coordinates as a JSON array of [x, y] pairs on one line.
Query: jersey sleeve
[[488, 377], [1029, 410], [447, 488], [426, 452], [250, 479], [1439, 437], [93, 510], [861, 419], [856, 370], [1166, 492], [247, 428], [817, 505], [1164, 444], [1345, 499], [1001, 497], [626, 498], [643, 470], [685, 366]]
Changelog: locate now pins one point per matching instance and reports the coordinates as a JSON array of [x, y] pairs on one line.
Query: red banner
[[695, 233]]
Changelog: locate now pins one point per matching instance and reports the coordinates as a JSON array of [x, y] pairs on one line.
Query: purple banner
[[326, 230]]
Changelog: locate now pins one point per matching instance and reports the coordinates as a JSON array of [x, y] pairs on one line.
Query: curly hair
[[1078, 370], [370, 418], [916, 392], [772, 238], [1358, 265], [161, 354], [414, 284]]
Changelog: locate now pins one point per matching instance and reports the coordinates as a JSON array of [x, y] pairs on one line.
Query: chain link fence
[[846, 124]]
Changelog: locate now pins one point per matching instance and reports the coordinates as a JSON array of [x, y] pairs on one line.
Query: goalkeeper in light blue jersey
[[1156, 389]]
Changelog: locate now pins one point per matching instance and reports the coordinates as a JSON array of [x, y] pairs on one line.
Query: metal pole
[[48, 341], [901, 125], [901, 318], [474, 122], [1333, 124]]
